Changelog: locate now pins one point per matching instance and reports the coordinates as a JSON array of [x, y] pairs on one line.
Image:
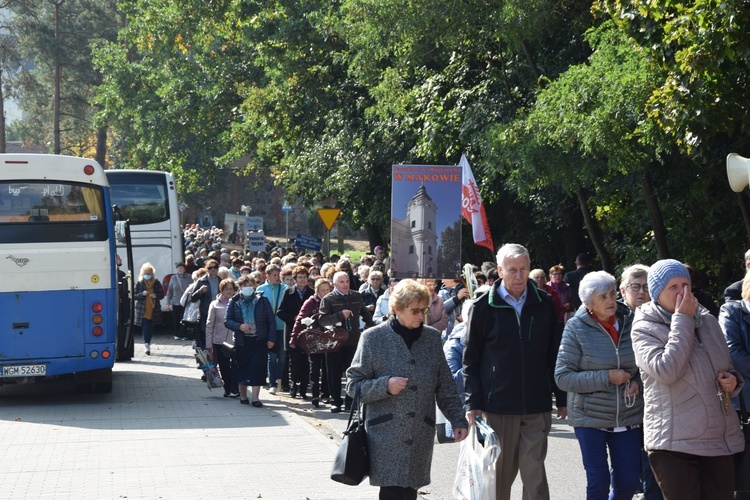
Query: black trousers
[[317, 362], [693, 477], [226, 368], [397, 493], [337, 363], [177, 313], [299, 368]]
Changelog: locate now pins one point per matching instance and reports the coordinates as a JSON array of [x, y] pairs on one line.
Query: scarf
[[248, 309], [609, 326], [410, 335]]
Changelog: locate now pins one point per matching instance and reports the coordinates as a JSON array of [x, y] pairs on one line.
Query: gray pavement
[[162, 433]]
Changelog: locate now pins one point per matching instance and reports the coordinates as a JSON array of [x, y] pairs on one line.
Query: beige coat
[[216, 332], [679, 365]]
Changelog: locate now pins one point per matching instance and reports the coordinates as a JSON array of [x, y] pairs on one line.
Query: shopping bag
[[475, 472], [206, 363]]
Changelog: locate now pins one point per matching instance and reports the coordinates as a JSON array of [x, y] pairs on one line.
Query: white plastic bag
[[476, 473]]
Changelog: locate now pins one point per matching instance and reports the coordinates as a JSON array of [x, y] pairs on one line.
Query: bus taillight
[[89, 170], [97, 319], [97, 307], [106, 354], [97, 331]]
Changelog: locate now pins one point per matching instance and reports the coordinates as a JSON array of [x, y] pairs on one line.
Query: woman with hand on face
[[400, 373], [596, 365], [691, 430]]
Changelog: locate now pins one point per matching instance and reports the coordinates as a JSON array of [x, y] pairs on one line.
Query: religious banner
[[426, 221]]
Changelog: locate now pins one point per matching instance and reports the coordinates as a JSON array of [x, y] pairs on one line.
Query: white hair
[[595, 283], [511, 251]]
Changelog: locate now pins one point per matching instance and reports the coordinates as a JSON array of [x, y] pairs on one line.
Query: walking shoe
[[293, 393], [316, 402], [176, 337], [234, 394], [147, 347], [335, 409], [245, 401], [272, 390], [257, 404]]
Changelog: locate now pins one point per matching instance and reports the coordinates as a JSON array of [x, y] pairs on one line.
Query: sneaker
[[272, 390], [234, 394], [335, 409], [147, 347], [176, 337]]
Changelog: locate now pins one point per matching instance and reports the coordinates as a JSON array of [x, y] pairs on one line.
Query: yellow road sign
[[329, 216]]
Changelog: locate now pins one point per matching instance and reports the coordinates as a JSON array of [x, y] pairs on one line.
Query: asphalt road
[[162, 434]]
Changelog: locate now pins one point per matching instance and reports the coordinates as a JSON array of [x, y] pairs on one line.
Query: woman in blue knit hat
[[691, 430]]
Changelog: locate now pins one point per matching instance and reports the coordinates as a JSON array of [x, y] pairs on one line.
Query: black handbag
[[352, 462], [742, 459]]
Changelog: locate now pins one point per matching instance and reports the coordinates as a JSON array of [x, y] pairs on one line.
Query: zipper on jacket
[[492, 380]]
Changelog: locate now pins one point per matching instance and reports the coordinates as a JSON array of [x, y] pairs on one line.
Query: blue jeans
[[147, 329], [625, 457], [276, 361]]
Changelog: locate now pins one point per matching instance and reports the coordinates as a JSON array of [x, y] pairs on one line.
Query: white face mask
[[247, 291], [147, 277]]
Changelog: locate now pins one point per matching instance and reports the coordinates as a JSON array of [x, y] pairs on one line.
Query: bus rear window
[[24, 202], [141, 199]]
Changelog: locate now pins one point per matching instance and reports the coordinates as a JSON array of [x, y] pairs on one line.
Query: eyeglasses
[[417, 311], [637, 287]]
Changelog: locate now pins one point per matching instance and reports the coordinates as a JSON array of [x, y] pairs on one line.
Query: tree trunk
[[101, 146], [531, 61], [594, 233], [654, 213], [57, 149], [374, 236]]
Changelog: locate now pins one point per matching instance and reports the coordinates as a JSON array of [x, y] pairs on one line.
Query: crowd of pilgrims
[[247, 311]]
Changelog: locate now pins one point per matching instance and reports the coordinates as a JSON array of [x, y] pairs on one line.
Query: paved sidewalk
[[163, 434]]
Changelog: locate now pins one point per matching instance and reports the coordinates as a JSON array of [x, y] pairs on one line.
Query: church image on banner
[[414, 238], [426, 221]]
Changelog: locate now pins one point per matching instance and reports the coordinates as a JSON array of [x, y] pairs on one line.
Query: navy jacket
[[265, 319]]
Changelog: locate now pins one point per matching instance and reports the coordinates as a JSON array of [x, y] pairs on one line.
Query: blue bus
[[58, 292]]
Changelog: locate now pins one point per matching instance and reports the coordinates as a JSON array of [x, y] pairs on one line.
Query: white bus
[[148, 199], [58, 293]]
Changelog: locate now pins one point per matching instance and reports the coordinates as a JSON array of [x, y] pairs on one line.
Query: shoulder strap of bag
[[356, 409]]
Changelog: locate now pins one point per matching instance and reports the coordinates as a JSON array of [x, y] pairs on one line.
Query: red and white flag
[[472, 208]]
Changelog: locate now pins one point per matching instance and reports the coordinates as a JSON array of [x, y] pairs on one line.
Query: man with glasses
[[206, 289], [512, 338]]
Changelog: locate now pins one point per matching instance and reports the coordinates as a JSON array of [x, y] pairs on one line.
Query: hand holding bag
[[352, 462], [314, 340], [476, 473]]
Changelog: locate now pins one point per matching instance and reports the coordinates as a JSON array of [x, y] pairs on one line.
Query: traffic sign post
[[328, 216]]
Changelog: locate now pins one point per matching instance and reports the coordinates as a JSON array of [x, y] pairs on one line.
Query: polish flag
[[472, 208]]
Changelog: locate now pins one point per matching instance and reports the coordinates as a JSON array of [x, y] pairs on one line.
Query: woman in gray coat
[[596, 365], [400, 371]]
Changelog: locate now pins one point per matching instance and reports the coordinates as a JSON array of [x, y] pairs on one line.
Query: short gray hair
[[595, 283], [512, 251], [633, 272]]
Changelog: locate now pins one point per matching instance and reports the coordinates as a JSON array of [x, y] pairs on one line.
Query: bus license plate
[[25, 371]]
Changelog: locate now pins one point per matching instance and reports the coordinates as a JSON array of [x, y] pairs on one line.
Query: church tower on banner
[[415, 251]]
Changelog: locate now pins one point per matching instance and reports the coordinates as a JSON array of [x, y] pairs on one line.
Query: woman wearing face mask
[[148, 292], [251, 318], [217, 334]]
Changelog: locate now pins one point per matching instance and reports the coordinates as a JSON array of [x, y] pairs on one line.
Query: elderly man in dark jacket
[[512, 337], [342, 307]]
